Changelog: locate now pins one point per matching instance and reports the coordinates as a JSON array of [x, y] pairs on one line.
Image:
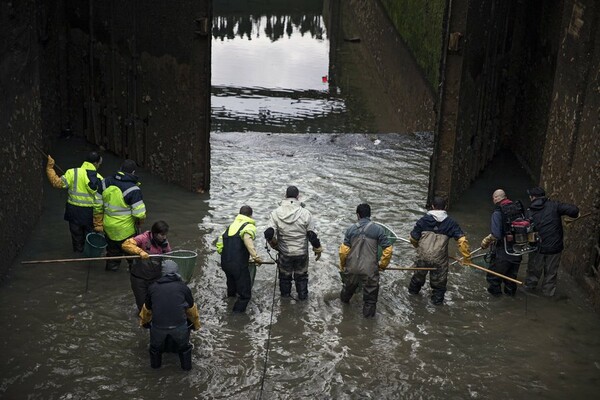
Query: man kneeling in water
[[170, 313]]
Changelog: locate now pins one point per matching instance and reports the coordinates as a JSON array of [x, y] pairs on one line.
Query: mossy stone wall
[[420, 23]]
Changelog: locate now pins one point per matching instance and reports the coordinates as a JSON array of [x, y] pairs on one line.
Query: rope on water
[[264, 374]]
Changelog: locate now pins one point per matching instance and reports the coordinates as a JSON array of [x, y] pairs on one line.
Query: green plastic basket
[[95, 243]]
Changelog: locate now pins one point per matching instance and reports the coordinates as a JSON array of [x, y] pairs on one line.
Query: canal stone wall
[[133, 81], [420, 24], [139, 78], [524, 76], [570, 166], [27, 107], [368, 32]]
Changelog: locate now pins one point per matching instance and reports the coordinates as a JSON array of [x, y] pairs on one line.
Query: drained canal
[[70, 329]]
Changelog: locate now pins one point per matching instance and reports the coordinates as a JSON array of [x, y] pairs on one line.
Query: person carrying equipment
[[430, 237], [124, 210], [235, 246], [170, 313], [84, 206], [359, 259], [502, 258], [146, 270]]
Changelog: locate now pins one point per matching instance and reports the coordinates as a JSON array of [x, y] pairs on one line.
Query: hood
[[241, 218], [438, 215], [126, 177], [289, 210], [88, 165], [171, 277], [538, 203]]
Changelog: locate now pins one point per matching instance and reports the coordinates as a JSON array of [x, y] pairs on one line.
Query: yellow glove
[[414, 242], [318, 252], [463, 247], [130, 246], [485, 243], [99, 223], [145, 315], [386, 257], [54, 179], [257, 260], [193, 315], [343, 252]]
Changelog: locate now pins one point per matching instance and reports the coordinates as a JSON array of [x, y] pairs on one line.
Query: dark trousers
[[370, 285], [293, 268], [438, 280], [546, 264], [239, 283], [174, 340], [113, 249], [78, 234], [505, 265]]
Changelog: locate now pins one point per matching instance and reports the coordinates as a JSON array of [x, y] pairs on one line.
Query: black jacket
[[168, 298], [546, 216]]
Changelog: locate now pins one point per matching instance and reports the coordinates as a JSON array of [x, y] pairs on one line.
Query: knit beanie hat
[[169, 267]]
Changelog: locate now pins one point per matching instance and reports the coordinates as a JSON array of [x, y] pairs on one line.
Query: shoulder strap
[[226, 233]]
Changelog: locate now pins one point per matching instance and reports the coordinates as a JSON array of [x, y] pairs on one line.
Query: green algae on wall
[[420, 23]]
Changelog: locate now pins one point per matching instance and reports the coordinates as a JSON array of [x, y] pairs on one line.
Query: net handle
[[170, 255]]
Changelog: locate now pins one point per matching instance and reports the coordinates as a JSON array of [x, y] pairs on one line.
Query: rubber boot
[[155, 359], [437, 296], [285, 286], [186, 359], [302, 288], [414, 287], [345, 296], [369, 310]]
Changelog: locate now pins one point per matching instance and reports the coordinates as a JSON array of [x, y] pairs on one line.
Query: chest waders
[[234, 262]]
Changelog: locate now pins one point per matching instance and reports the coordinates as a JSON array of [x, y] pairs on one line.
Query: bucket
[[95, 243], [186, 261]]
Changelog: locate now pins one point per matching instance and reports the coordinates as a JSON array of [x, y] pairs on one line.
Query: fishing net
[[186, 261]]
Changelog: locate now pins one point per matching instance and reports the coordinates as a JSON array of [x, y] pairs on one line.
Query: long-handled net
[[186, 261]]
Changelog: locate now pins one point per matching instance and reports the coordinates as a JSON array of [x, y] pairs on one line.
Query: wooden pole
[[489, 271], [46, 155]]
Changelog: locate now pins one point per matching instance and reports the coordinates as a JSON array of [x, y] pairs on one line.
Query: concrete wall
[[22, 107], [536, 42], [525, 77], [390, 66], [420, 24], [150, 98], [142, 88], [570, 167]]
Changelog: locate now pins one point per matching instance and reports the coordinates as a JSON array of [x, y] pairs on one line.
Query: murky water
[[70, 332]]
